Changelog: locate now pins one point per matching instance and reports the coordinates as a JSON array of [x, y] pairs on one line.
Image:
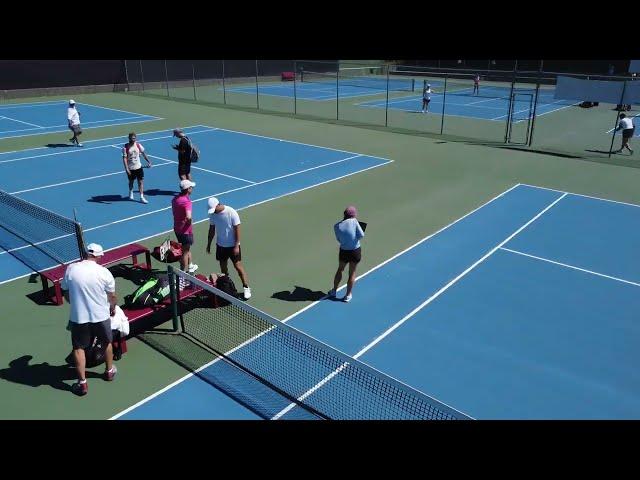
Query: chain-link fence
[[483, 103]]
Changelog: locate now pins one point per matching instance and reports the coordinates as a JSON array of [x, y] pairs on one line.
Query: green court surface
[[432, 181]]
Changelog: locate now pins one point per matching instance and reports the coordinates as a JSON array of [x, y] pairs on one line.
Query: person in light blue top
[[348, 233]]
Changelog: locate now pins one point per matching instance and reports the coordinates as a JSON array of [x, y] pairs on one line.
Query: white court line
[[571, 266], [120, 172], [16, 120], [33, 104], [204, 169], [66, 129], [423, 304], [581, 195], [84, 125], [84, 149]]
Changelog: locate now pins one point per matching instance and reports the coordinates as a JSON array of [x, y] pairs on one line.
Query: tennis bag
[[94, 355], [150, 293], [195, 151], [173, 254], [224, 283]]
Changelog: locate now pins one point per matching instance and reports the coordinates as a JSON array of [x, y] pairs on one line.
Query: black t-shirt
[[184, 150]]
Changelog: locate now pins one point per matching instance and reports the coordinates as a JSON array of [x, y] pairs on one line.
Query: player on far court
[[73, 119], [426, 97], [476, 84]]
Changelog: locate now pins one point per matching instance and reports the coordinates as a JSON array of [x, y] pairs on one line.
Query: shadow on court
[[154, 192], [41, 374], [299, 294], [108, 199], [60, 145]]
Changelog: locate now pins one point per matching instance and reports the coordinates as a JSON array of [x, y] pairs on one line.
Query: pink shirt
[[180, 205]]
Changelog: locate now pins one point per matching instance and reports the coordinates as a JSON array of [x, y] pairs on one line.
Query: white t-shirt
[[626, 123], [224, 223], [426, 94], [133, 155], [73, 116], [88, 284]]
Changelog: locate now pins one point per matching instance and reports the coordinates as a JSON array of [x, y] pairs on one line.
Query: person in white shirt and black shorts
[[426, 97], [131, 159], [226, 221], [73, 118], [628, 129]]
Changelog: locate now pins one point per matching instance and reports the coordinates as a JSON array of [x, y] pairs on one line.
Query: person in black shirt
[[184, 155]]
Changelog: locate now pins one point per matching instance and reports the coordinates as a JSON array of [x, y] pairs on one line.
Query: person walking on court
[[348, 233], [227, 222], [476, 84], [628, 129], [132, 165], [90, 290], [426, 97], [183, 224], [184, 154], [73, 118]]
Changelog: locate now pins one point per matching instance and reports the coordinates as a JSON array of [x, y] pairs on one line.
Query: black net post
[[507, 133], [444, 102], [166, 77], [79, 235], [386, 109], [224, 88], [615, 123], [193, 76], [295, 97], [535, 105], [338, 92], [257, 94], [174, 297], [141, 75]]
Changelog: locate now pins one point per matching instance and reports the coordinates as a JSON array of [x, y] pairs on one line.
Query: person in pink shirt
[[183, 224]]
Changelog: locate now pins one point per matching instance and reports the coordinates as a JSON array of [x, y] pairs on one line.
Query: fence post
[[257, 95], [193, 75], [337, 92], [615, 124], [507, 133], [224, 88], [126, 74], [535, 104], [166, 77], [444, 102], [386, 110], [295, 98], [142, 76]]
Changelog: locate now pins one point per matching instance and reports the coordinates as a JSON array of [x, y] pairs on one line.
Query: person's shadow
[[60, 145], [299, 294], [108, 199], [154, 192], [40, 374]]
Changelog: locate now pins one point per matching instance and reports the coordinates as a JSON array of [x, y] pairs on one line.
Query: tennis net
[[310, 374], [374, 81], [58, 237]]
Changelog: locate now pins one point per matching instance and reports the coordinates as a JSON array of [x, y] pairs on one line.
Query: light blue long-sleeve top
[[348, 233]]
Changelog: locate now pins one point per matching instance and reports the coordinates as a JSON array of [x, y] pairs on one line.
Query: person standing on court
[[628, 129], [183, 224], [90, 290], [227, 222], [73, 118], [348, 233], [476, 84], [426, 97], [132, 165], [184, 154]]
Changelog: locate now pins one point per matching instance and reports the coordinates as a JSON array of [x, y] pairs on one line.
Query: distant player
[[628, 129], [426, 97], [73, 117], [476, 84], [131, 158]]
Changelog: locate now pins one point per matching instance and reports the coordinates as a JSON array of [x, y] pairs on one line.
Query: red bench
[[110, 257], [288, 76]]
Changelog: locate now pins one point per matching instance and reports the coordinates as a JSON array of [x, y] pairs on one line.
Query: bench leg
[[59, 300], [148, 258], [134, 259]]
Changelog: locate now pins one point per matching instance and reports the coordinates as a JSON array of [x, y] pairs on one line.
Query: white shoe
[[143, 200], [192, 268], [247, 293], [347, 298], [79, 145], [332, 293], [130, 194]]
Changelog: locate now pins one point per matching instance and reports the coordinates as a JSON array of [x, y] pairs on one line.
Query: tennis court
[[248, 170], [22, 119], [515, 311]]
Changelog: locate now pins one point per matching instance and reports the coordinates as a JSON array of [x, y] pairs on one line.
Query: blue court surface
[[463, 103], [239, 168], [321, 92], [525, 308], [22, 119]]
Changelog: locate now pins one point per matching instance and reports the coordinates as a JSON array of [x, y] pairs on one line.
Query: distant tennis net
[[313, 376], [57, 237], [377, 81]]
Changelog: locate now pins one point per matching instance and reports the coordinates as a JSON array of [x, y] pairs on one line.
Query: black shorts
[[137, 174], [184, 168], [350, 256], [426, 100], [184, 238], [224, 253], [628, 132], [75, 129], [82, 334]]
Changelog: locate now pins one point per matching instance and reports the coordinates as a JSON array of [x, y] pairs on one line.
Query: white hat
[[213, 203], [184, 184], [95, 250], [72, 102]]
